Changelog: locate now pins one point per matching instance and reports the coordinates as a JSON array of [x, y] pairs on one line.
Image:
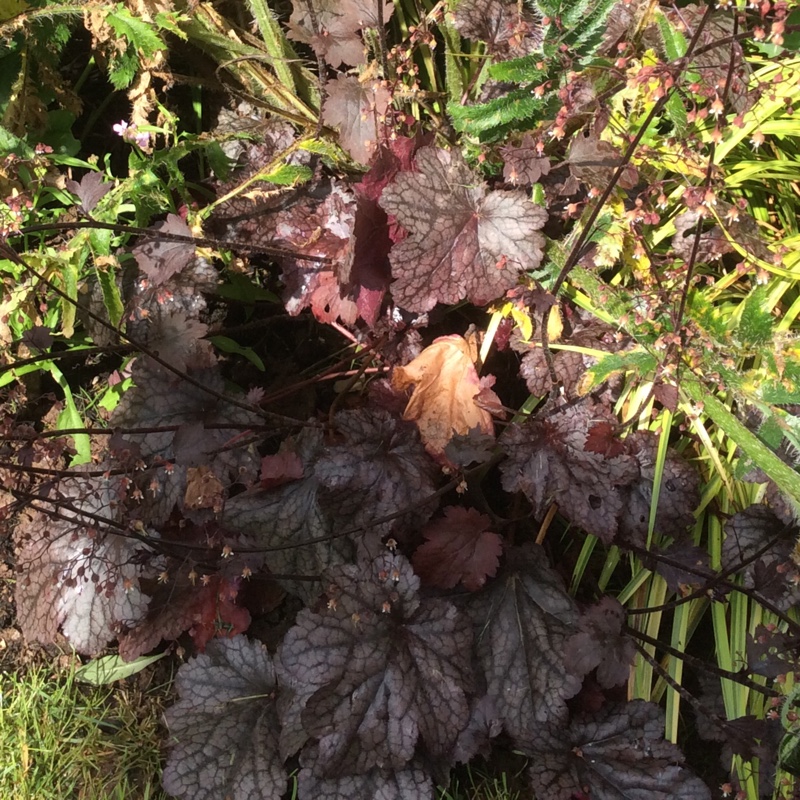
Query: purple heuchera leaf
[[508, 29], [464, 240], [601, 643], [356, 109], [570, 458], [523, 164], [157, 400], [75, 574], [375, 672], [411, 782], [288, 515], [522, 620], [90, 190], [380, 468], [224, 728], [161, 258], [333, 33], [616, 754]]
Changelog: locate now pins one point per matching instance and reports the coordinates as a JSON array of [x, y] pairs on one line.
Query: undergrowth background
[[424, 375]]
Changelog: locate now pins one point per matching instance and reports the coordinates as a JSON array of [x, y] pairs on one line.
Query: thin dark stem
[[172, 237], [697, 663]]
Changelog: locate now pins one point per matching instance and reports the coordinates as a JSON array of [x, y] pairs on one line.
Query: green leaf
[[139, 36], [111, 296], [675, 44], [756, 324], [230, 346], [289, 175], [70, 418], [100, 671], [639, 361], [787, 480]]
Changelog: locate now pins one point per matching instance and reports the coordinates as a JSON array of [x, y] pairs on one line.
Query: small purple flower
[[130, 133]]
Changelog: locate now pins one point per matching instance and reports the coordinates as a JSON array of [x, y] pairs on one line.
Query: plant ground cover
[[423, 377]]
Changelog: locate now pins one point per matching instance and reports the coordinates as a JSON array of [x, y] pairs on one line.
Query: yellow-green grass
[[63, 740]]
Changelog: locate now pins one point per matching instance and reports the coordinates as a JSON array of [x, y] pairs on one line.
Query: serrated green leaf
[[639, 361], [100, 671], [139, 36], [787, 480], [289, 175], [756, 324], [517, 107], [675, 44]]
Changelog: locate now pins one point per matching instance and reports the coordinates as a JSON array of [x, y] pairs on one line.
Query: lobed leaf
[[464, 240], [375, 672], [522, 621], [224, 728]]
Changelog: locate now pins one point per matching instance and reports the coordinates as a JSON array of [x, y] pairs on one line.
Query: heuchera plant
[[398, 532]]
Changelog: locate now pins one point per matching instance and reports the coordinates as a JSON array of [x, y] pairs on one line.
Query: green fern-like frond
[[580, 26], [516, 109]]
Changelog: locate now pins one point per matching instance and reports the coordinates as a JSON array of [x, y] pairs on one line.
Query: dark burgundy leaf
[[224, 728], [484, 724], [288, 515], [474, 447], [464, 241], [522, 621], [73, 573], [38, 337], [713, 243], [356, 109], [548, 462], [594, 162], [508, 29], [379, 469], [157, 401], [601, 643], [771, 652], [523, 164], [376, 671], [161, 258], [458, 548], [690, 567], [774, 574], [411, 782], [616, 754], [679, 493], [91, 189]]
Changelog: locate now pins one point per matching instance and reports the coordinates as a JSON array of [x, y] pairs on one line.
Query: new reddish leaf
[[376, 671], [459, 548], [356, 108], [224, 729], [464, 240]]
